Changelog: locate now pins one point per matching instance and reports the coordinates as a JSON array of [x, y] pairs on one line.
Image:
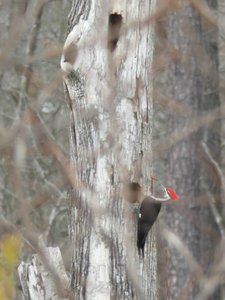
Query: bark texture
[[41, 280], [109, 91], [193, 81]]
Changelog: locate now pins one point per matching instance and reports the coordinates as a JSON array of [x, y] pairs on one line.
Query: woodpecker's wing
[[149, 211], [147, 216]]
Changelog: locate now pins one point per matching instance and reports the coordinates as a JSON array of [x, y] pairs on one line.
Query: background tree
[[191, 37], [32, 191]]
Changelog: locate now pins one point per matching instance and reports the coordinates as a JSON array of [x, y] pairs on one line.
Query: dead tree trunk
[[107, 64]]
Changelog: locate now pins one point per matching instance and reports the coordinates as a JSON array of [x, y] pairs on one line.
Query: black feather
[[147, 216]]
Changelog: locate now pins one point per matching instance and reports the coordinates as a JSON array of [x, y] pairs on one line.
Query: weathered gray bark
[[109, 90], [193, 81], [41, 281]]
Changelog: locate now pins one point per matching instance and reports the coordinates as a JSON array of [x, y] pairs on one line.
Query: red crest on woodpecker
[[173, 195]]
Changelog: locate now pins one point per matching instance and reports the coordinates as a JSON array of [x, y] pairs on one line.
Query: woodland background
[[33, 160]]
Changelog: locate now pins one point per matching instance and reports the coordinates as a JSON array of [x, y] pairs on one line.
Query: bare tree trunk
[[193, 80], [107, 63]]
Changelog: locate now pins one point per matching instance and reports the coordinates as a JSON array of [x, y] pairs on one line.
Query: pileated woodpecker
[[148, 213]]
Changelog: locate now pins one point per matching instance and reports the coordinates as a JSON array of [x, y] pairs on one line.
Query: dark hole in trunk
[[115, 22]]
